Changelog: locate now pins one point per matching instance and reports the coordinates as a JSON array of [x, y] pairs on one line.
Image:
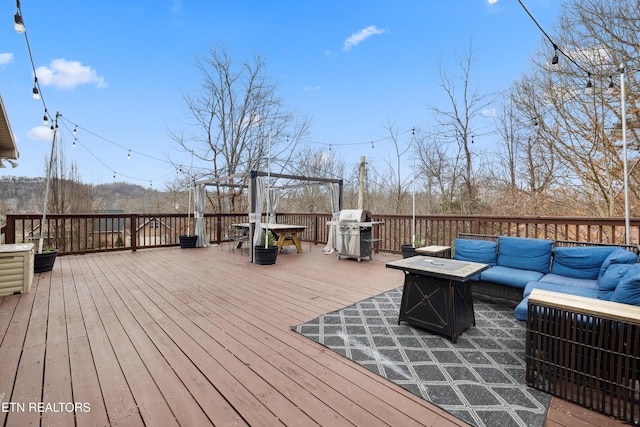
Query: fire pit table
[[437, 293]]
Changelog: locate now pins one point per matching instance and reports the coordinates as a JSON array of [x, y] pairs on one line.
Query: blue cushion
[[521, 312], [618, 256], [482, 251], [524, 253], [573, 290], [628, 289], [609, 279], [570, 281], [582, 262], [510, 276]]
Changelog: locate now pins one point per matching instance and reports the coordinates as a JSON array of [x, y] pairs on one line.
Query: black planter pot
[[44, 261], [266, 256], [408, 250], [188, 240]]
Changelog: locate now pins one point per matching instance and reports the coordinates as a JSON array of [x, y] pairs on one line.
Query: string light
[[37, 95], [129, 155], [589, 87], [611, 87], [19, 23], [556, 49], [36, 92]]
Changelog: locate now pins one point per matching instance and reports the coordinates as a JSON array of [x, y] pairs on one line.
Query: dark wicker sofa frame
[[585, 351]]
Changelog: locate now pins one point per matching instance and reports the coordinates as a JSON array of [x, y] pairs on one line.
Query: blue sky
[[119, 69]]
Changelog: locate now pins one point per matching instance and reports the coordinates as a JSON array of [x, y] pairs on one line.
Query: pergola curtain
[[334, 192], [198, 214], [274, 199], [257, 215]]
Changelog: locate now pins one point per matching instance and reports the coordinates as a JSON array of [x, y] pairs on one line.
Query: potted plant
[[43, 261], [188, 240], [409, 250], [266, 253]]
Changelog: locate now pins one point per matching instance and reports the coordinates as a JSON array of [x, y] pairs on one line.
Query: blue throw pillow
[[628, 290], [482, 251], [582, 262], [618, 256], [609, 279], [524, 253]]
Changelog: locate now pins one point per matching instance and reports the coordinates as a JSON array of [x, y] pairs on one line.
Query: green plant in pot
[[267, 251]]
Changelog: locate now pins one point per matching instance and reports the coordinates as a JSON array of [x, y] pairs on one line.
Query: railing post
[[10, 230], [218, 219], [475, 225], [133, 219]]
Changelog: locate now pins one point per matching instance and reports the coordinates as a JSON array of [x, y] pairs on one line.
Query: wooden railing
[[82, 233]]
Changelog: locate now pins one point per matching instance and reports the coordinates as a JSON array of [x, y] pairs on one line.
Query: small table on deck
[[436, 251], [287, 234], [436, 294]]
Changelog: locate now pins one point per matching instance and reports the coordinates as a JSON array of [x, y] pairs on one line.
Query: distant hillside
[[25, 195]]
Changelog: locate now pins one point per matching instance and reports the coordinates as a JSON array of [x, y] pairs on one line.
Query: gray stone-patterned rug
[[479, 380]]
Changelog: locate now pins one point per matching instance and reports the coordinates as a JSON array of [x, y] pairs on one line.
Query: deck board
[[202, 337]]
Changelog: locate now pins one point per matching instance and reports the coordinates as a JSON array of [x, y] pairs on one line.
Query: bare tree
[[438, 173], [466, 104], [239, 120]]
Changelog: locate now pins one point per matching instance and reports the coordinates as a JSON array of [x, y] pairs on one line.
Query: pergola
[[258, 188]]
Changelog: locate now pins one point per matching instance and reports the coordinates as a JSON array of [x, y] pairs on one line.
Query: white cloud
[[493, 1], [65, 74], [6, 58], [40, 133], [357, 38], [489, 112]]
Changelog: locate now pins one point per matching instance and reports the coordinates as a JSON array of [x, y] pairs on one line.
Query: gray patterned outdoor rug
[[479, 380]]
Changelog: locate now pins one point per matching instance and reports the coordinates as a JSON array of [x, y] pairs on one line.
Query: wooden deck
[[199, 337]]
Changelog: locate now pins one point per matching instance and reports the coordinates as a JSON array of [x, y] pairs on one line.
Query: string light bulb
[[75, 130], [36, 93], [554, 60], [74, 143], [129, 155], [611, 87], [589, 88], [45, 119], [18, 22]]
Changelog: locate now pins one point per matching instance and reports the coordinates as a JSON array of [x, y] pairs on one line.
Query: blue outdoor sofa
[[519, 265], [581, 304]]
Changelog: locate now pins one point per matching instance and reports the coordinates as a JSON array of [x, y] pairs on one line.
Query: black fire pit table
[[437, 294]]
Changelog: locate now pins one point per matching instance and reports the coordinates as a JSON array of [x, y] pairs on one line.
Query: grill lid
[[354, 215]]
